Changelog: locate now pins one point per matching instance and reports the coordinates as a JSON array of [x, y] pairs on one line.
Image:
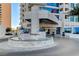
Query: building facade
[[5, 14], [58, 20], [71, 23], [48, 23]]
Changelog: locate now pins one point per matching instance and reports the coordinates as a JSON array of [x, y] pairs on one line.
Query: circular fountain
[[33, 40]]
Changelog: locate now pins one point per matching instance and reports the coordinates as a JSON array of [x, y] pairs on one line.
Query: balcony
[[62, 6]]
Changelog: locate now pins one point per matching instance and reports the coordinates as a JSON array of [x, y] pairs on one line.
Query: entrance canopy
[[43, 20]]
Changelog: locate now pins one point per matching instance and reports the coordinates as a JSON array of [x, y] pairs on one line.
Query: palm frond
[[75, 11]]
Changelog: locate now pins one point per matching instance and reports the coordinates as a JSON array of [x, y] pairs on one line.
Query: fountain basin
[[31, 45]]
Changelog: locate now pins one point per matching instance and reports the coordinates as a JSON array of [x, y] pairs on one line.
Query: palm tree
[[75, 12]]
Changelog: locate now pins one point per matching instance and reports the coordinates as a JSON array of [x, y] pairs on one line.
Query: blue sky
[[15, 19]]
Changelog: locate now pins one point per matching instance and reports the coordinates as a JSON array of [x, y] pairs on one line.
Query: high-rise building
[[5, 14], [54, 17], [48, 18]]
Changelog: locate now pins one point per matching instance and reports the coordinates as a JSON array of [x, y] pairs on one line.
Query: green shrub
[[8, 29]]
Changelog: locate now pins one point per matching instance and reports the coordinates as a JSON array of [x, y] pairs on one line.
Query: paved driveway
[[65, 47]]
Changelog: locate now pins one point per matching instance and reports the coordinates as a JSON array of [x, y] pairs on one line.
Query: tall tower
[[5, 14]]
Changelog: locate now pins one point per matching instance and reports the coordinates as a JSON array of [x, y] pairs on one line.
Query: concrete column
[[72, 30], [34, 19], [63, 18]]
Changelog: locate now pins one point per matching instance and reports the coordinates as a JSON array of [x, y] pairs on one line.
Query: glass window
[[53, 4], [23, 10], [66, 9], [76, 18], [22, 5], [77, 4], [66, 16], [45, 8], [66, 3], [67, 20], [0, 12], [71, 18], [0, 4], [28, 25], [23, 15], [76, 30], [57, 4], [61, 9], [55, 11], [0, 16], [72, 5], [25, 30], [68, 30], [0, 9], [61, 3]]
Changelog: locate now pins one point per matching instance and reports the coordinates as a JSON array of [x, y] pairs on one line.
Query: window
[[53, 11], [0, 8], [58, 30], [66, 16], [22, 5], [28, 25], [57, 10], [61, 9], [0, 12], [72, 5], [61, 3], [77, 4], [71, 18], [0, 4], [0, 16], [66, 9], [53, 4], [23, 10], [23, 15], [68, 30], [66, 3], [76, 19], [23, 20], [76, 30], [67, 20]]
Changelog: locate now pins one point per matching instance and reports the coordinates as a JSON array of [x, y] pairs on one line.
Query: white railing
[[66, 6]]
